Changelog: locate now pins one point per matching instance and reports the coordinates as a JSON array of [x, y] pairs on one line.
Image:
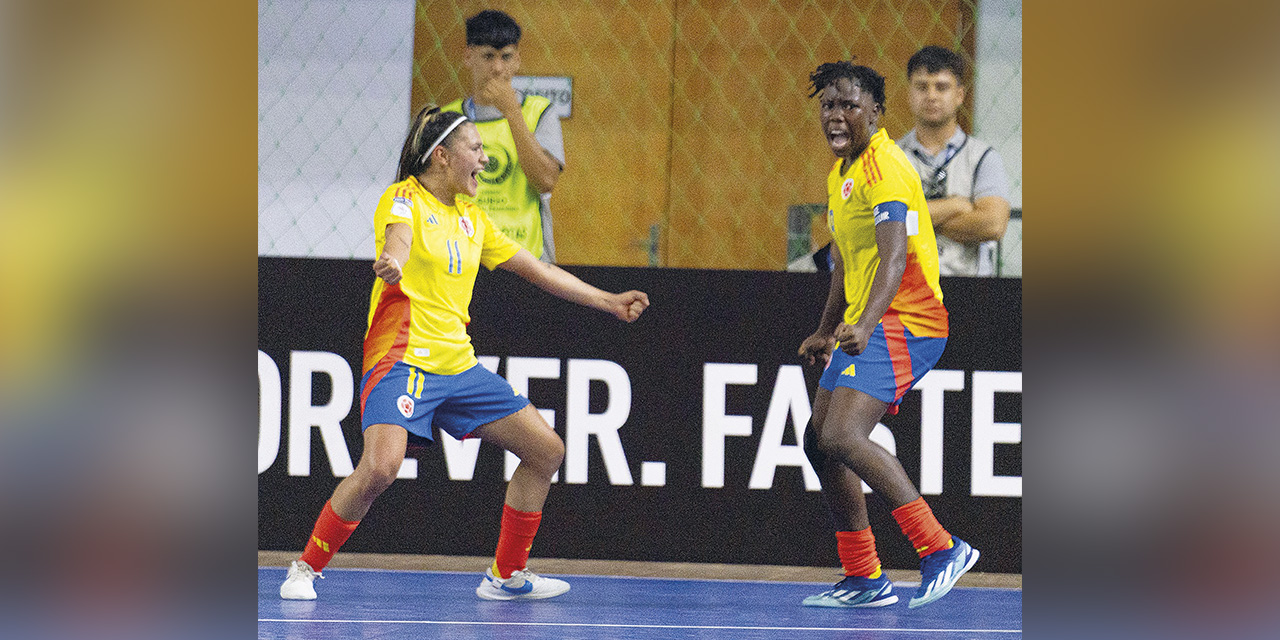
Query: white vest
[[956, 258]]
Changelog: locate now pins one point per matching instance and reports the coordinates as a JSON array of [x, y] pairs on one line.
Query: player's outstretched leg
[[864, 583], [384, 446], [541, 451]]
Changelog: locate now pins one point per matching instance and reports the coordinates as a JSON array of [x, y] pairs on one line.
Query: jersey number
[[455, 256]]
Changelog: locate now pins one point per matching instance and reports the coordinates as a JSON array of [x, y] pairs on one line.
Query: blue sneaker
[[856, 591], [940, 570]]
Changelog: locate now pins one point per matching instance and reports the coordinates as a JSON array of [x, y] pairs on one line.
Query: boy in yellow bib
[[521, 134]]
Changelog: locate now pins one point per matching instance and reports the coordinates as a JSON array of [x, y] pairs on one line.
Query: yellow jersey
[[883, 174], [423, 319]]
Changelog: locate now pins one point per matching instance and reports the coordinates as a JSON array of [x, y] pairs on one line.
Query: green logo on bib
[[499, 167]]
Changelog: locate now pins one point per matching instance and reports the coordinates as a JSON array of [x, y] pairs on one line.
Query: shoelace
[[307, 570], [526, 574], [832, 591], [938, 560]]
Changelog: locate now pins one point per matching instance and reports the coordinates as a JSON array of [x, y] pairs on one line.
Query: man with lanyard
[[964, 178], [521, 136]]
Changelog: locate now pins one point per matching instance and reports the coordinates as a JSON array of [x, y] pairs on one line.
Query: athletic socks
[[857, 551], [917, 521], [329, 534], [515, 540]]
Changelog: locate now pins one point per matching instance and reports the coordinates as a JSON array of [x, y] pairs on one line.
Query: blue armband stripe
[[893, 210]]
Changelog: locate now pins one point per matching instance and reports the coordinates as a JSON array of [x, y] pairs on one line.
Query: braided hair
[[828, 72]]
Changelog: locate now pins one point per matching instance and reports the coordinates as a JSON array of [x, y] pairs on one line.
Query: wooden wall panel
[[693, 116]]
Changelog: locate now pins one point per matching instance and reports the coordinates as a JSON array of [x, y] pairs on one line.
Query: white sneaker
[[522, 585], [297, 585]]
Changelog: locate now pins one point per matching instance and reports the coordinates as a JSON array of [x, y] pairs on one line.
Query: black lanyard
[[940, 172]]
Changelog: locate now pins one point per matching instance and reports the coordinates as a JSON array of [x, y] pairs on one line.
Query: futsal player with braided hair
[[883, 328], [419, 367]]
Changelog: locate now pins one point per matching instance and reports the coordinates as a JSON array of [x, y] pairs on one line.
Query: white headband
[[447, 130]]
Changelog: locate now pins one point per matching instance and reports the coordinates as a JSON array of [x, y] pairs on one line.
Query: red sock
[[857, 551], [515, 540], [329, 534], [917, 521]]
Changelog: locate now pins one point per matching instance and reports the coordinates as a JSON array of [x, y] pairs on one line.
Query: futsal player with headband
[[420, 370]]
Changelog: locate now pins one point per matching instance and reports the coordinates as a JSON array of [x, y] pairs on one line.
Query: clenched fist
[[629, 305], [388, 268]]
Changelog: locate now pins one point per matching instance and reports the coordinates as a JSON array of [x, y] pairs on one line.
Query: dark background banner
[[699, 321]]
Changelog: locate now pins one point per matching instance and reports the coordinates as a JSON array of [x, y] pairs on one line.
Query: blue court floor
[[385, 604]]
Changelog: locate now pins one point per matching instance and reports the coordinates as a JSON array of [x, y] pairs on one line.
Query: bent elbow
[[545, 181], [991, 219], [995, 228]]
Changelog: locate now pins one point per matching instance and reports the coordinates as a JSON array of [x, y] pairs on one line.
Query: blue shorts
[[892, 363], [414, 399]]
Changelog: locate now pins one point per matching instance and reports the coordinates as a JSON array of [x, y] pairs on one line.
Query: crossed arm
[[970, 221]]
